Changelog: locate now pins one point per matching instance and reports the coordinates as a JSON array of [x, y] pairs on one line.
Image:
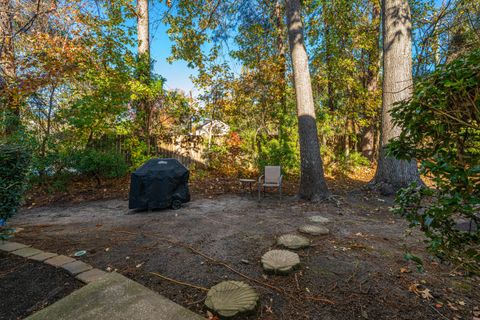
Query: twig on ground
[[215, 261], [179, 282]]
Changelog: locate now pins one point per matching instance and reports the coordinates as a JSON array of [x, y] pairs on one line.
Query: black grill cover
[[157, 183]]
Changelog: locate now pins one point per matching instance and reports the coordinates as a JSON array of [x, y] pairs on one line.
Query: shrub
[[441, 128], [14, 165], [99, 164]]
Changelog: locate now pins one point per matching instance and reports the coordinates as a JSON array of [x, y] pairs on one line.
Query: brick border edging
[[79, 269]]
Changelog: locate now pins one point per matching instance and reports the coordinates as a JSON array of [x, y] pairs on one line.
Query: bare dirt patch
[[357, 271]]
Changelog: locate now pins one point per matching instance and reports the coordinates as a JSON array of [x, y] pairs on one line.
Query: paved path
[[106, 296], [115, 297]]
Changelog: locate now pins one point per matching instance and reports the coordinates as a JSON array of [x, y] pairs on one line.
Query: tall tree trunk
[[367, 139], [143, 34], [282, 71], [312, 181], [328, 59], [9, 98], [397, 86]]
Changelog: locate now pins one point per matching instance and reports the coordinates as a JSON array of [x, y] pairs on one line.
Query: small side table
[[249, 182]]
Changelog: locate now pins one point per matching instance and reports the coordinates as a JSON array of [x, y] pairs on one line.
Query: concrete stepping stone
[[9, 246], [26, 252], [319, 219], [91, 275], [280, 261], [314, 230], [76, 267], [293, 241], [228, 298], [59, 261]]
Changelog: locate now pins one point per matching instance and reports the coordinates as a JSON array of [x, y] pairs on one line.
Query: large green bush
[[441, 128], [14, 165], [99, 164]]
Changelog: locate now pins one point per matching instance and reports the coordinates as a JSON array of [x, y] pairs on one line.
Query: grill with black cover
[[159, 183]]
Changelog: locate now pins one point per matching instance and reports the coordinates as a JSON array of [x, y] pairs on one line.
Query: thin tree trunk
[[397, 86], [372, 77], [312, 181], [328, 58], [281, 52], [282, 72], [143, 34], [11, 105]]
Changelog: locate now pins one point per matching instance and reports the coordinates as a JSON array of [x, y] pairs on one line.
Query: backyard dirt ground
[[356, 272]]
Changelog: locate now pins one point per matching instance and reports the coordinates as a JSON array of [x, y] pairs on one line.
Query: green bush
[[99, 164], [14, 165], [441, 128]]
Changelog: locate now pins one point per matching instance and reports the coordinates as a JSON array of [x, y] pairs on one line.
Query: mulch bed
[[27, 286]]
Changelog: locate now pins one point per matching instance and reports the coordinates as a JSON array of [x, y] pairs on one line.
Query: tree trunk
[[281, 53], [397, 86], [372, 77], [328, 61], [312, 181], [143, 34], [11, 105]]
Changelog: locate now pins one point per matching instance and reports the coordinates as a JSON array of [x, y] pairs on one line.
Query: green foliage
[[441, 129], [14, 165], [98, 164], [343, 164]]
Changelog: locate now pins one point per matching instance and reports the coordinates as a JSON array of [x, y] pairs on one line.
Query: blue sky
[[177, 73]]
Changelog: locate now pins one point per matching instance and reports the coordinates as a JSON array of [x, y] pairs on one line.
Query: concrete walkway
[[115, 297], [108, 296]]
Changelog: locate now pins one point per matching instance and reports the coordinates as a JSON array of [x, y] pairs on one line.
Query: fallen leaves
[[424, 293]]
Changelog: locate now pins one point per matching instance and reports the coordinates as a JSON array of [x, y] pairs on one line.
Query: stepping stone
[[43, 256], [26, 252], [59, 261], [280, 261], [319, 219], [293, 241], [91, 275], [314, 230], [11, 246], [76, 267], [229, 298]]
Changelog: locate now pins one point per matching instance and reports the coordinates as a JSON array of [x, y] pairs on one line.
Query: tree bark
[[312, 181], [367, 139], [328, 61], [143, 32], [10, 103], [397, 86], [143, 36], [281, 53]]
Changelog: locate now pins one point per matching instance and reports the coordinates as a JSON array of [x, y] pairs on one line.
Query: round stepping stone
[[319, 219], [280, 261], [229, 298], [293, 241], [314, 230]]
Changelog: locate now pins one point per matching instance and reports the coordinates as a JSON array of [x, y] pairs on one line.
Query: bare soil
[[27, 286], [356, 272]]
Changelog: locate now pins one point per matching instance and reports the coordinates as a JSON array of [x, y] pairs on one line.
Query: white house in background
[[210, 128]]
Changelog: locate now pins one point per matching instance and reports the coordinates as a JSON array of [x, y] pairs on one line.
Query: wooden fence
[[186, 149]]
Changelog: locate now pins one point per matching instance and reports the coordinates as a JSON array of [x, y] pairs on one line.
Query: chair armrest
[[260, 178]]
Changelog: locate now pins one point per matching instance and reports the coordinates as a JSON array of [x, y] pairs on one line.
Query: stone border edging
[[79, 269]]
